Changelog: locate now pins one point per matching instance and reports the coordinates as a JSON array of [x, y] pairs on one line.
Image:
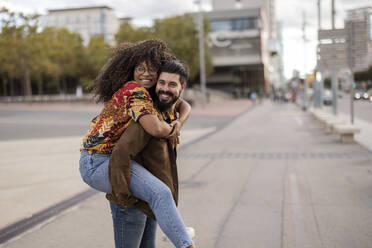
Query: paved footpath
[[273, 177]]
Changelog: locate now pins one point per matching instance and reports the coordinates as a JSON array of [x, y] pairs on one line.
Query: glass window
[[220, 25], [234, 24]]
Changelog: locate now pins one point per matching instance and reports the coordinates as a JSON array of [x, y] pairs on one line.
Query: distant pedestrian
[[253, 97]]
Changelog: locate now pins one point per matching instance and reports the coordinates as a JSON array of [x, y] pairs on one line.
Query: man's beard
[[164, 106]]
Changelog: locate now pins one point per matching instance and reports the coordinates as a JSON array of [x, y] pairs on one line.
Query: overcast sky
[[289, 12]]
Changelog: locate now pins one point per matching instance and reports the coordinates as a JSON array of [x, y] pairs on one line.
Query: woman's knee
[[146, 186], [162, 193]]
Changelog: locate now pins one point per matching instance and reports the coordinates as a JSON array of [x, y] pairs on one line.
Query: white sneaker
[[190, 231]]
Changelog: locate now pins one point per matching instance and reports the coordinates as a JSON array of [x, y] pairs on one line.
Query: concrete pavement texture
[[273, 177], [39, 168]]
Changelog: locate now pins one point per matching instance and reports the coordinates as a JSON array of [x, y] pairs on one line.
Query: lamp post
[[201, 53], [350, 35]]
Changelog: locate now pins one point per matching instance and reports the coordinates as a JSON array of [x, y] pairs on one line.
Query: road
[[21, 124], [362, 109]]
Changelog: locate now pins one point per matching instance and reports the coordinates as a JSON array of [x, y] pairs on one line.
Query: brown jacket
[[156, 155]]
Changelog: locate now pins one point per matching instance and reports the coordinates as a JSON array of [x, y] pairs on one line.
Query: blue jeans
[[143, 185], [132, 228]]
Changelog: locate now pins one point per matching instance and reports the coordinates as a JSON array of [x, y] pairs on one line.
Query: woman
[[121, 85]]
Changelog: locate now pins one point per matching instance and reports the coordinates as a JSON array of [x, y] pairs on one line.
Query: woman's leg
[[150, 189], [131, 228], [94, 170]]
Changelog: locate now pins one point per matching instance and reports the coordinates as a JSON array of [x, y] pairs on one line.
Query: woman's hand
[[177, 126], [173, 137]]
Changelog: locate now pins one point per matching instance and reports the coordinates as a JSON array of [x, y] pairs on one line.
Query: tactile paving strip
[[273, 155]]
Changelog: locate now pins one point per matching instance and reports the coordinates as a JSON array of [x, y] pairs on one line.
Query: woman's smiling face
[[145, 74]]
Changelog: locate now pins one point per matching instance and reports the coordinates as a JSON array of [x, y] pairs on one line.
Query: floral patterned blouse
[[128, 104]]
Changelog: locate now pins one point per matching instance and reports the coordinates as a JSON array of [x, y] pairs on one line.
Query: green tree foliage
[[52, 58], [179, 33], [128, 33], [96, 53], [11, 45], [65, 53]]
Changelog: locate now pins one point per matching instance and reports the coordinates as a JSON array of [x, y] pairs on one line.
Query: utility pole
[[304, 103], [333, 70], [319, 15], [201, 54], [319, 82], [350, 30], [333, 14]]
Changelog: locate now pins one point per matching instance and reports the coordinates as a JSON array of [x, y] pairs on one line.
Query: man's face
[[168, 90]]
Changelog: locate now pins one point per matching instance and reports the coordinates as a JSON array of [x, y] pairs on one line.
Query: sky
[[297, 54]]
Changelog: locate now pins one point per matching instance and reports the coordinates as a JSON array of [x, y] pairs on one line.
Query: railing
[[47, 98]]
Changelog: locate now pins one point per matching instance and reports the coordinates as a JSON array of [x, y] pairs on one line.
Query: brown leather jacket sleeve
[[132, 141]]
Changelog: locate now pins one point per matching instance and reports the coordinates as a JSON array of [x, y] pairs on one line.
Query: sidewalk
[[365, 136], [271, 178], [38, 173]]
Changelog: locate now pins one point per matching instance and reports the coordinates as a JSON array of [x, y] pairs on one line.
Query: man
[[134, 218]]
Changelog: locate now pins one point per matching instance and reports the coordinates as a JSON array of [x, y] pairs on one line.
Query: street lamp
[[201, 53]]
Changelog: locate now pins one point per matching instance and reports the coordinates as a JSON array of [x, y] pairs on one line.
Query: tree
[[65, 55], [179, 33], [10, 64], [97, 53], [128, 33]]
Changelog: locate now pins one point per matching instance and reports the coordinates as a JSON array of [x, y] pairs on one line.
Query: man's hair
[[177, 67], [120, 68]]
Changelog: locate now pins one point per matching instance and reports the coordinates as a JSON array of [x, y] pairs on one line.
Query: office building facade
[[88, 22], [360, 20], [240, 43], [340, 49]]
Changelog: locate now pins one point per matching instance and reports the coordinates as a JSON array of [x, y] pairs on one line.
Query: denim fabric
[[94, 170], [150, 189], [143, 185], [132, 228]]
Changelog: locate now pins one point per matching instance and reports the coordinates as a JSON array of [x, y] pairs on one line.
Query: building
[[339, 49], [360, 22], [267, 5], [88, 21], [242, 47]]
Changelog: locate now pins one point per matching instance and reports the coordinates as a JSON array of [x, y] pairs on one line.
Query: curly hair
[[120, 68]]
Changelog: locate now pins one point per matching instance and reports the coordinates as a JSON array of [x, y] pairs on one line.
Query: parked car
[[369, 92], [365, 96], [358, 95]]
